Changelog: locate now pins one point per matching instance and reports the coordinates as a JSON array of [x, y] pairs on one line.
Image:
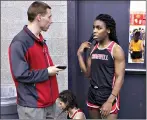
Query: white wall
[[138, 6]]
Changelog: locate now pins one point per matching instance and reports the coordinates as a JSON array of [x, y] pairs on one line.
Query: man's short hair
[[35, 9]]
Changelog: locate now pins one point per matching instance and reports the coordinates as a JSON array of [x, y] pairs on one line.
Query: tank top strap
[[95, 47], [75, 113], [110, 48]]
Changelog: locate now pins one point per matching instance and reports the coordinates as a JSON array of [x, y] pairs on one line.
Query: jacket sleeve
[[20, 68]]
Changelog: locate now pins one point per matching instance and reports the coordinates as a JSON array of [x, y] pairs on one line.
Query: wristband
[[113, 95]]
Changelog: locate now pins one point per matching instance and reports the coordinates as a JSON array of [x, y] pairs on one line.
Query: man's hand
[[106, 109], [53, 70], [83, 46]]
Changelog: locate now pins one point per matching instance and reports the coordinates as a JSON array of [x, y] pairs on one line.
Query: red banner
[[138, 19]]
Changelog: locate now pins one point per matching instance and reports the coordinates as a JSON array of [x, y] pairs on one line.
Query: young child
[[67, 102], [136, 47]]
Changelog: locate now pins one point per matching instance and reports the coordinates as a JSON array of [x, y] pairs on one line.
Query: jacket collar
[[41, 40]]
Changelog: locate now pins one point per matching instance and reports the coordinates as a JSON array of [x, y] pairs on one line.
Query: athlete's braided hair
[[110, 24]]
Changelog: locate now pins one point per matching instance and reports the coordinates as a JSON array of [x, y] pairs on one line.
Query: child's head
[[67, 100], [136, 35]]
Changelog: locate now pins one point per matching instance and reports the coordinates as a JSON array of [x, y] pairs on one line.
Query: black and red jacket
[[29, 60]]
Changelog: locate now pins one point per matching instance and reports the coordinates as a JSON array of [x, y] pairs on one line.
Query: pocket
[[31, 90]]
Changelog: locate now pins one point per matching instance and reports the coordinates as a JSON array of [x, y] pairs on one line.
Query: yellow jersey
[[136, 46]]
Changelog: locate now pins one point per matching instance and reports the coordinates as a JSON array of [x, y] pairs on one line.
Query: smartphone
[[61, 67], [91, 39]]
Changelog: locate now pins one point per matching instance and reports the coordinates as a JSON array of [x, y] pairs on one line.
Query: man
[[32, 68], [105, 67]]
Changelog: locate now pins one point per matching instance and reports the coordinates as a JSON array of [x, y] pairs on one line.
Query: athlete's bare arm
[[119, 61], [87, 74], [80, 116], [85, 68]]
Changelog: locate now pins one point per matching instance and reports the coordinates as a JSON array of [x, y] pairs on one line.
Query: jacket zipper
[[48, 64]]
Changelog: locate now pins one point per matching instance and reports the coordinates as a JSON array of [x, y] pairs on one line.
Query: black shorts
[[136, 55], [98, 96]]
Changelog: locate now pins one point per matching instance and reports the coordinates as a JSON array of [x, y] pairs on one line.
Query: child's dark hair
[[68, 98], [137, 34], [110, 24]]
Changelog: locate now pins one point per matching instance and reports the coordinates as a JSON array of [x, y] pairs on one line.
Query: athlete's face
[[61, 104], [45, 20], [100, 31]]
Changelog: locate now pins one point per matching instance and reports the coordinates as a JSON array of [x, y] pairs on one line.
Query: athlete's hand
[[106, 109], [53, 70], [83, 46]]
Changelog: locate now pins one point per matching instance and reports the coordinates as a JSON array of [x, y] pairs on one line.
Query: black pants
[[136, 54]]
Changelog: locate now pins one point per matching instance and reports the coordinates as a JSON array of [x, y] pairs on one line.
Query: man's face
[[45, 20], [99, 30]]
